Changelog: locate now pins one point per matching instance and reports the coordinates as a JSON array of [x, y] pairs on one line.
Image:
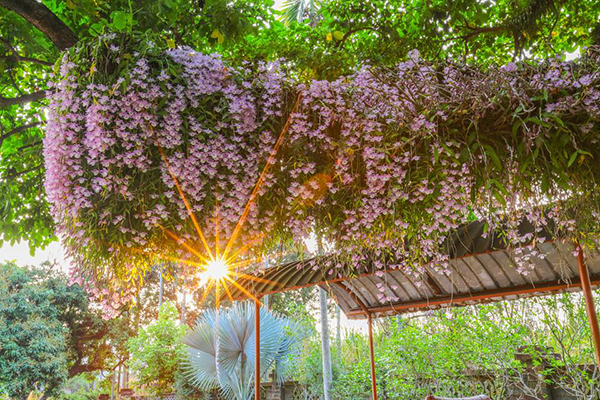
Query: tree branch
[[30, 145], [12, 80], [475, 32], [81, 368], [19, 57], [40, 16], [17, 130], [26, 98], [20, 173], [596, 35], [353, 31]]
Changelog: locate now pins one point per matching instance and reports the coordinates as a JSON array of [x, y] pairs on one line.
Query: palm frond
[[299, 10], [231, 368]]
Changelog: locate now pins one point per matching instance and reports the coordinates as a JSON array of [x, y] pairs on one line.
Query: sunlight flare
[[216, 270]]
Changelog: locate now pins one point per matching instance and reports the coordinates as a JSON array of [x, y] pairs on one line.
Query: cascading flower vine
[[384, 163]]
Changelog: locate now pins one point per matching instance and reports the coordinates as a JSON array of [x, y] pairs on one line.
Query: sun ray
[[184, 199], [257, 279], [166, 257], [242, 263], [245, 247], [216, 266], [237, 285], [206, 291], [184, 244], [253, 195], [182, 261], [227, 291], [217, 250]]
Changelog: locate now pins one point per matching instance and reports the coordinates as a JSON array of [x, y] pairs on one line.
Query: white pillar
[[325, 350]]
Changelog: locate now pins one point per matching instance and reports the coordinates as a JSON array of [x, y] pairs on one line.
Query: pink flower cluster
[[384, 163]]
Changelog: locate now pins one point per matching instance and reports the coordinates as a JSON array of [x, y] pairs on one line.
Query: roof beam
[[482, 296]]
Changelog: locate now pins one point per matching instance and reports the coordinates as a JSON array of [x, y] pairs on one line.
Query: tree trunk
[[325, 350], [40, 16], [138, 310], [113, 384], [265, 299], [119, 375], [125, 384], [160, 290], [183, 309]]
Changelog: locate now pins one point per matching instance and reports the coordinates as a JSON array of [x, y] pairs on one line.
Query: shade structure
[[482, 269]]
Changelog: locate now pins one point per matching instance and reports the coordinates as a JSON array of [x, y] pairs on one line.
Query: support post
[[586, 286], [257, 349], [372, 353]]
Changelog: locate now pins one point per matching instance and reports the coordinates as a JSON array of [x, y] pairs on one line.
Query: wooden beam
[[482, 296], [354, 297], [586, 285]]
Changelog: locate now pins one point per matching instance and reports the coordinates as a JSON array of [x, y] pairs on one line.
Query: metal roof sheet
[[482, 270]]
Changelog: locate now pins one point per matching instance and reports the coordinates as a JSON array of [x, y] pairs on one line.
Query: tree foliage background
[[49, 331], [157, 351]]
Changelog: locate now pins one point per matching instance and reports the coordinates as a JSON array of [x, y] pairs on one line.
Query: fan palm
[[228, 363], [298, 10]]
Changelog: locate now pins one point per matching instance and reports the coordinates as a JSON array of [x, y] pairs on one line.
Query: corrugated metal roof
[[482, 270]]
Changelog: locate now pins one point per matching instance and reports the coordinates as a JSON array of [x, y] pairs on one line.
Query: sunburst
[[220, 269]]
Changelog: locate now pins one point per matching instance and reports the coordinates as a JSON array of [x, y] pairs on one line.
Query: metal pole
[[373, 378], [257, 347], [586, 286]]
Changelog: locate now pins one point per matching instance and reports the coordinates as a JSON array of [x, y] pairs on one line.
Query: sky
[[19, 252]]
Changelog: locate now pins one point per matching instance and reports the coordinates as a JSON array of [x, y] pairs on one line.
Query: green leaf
[[491, 153], [572, 159], [120, 20], [338, 35]]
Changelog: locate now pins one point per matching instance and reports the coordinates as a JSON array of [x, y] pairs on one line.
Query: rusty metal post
[[372, 352], [586, 286], [257, 349]]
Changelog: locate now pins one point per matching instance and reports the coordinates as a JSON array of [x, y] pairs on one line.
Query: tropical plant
[[221, 349], [157, 351]]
